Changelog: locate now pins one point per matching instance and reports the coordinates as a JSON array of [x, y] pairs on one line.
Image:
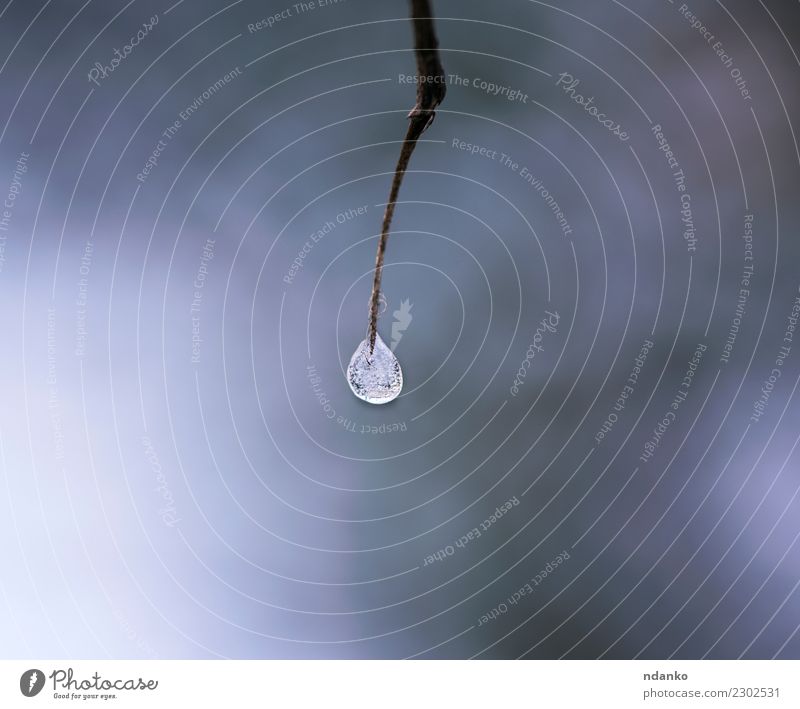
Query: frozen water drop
[[375, 378]]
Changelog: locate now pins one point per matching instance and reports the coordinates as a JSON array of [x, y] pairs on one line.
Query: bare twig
[[431, 88]]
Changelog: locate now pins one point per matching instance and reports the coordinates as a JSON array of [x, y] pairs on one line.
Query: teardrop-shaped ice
[[376, 378]]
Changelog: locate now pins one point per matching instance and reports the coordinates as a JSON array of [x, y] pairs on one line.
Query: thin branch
[[431, 88]]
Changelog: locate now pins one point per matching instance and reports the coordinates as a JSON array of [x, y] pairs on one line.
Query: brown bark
[[431, 88]]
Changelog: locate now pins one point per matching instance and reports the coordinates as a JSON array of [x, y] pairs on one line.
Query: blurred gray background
[[185, 261]]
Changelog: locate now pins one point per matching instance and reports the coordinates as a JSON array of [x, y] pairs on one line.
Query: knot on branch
[[431, 79]]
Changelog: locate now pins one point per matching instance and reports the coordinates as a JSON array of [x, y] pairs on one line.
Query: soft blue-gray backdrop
[[596, 245]]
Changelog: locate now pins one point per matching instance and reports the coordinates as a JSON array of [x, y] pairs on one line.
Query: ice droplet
[[376, 378]]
